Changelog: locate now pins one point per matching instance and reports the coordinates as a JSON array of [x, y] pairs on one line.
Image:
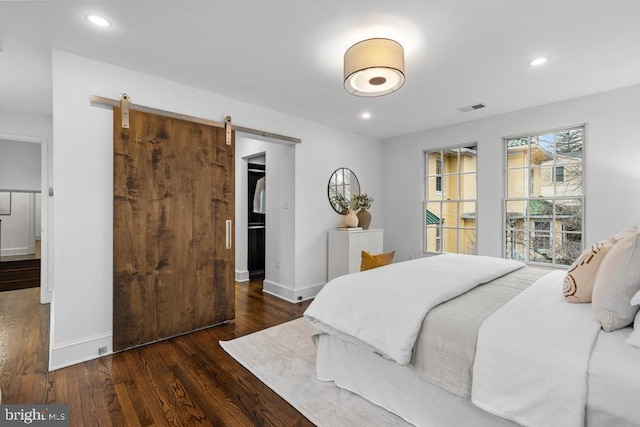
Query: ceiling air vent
[[471, 107]]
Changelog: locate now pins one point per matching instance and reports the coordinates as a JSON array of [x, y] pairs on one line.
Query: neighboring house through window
[[544, 198], [450, 200]]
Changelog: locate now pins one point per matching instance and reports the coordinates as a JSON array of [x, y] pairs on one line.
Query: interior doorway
[[24, 214], [277, 192]]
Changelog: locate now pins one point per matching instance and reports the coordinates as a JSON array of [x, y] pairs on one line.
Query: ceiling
[[286, 55]]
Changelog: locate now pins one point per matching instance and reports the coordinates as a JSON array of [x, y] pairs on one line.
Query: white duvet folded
[[384, 307]]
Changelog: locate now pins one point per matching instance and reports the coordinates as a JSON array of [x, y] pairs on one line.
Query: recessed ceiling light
[[365, 115], [538, 61], [99, 21]]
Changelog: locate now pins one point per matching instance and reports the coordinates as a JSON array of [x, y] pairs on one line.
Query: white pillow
[[634, 338], [636, 300], [617, 281]]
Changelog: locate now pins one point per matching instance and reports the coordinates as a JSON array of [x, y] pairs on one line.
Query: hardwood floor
[[183, 381]]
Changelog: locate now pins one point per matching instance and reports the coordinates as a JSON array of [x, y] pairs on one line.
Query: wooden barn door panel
[[173, 193]]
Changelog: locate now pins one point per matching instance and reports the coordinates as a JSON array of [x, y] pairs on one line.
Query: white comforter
[[532, 357], [399, 296]]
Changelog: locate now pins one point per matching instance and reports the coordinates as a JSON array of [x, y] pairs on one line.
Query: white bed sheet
[[395, 387], [613, 397]]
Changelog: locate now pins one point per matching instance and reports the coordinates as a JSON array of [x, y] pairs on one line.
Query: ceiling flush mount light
[[99, 21], [374, 67], [366, 115], [538, 61]]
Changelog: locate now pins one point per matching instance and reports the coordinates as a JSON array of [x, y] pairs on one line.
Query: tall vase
[[364, 218], [351, 220]]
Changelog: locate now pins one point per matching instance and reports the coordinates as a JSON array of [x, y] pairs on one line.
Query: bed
[[468, 340]]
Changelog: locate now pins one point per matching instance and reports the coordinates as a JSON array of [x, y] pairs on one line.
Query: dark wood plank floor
[[183, 381], [19, 272]]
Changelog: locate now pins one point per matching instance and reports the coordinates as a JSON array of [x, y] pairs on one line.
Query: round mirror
[[342, 185]]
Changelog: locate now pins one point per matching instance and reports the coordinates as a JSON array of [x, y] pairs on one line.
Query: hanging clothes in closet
[[259, 197]]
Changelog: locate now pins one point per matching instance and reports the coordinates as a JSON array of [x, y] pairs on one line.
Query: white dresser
[[345, 249]]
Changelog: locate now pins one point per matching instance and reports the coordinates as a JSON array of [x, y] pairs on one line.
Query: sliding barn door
[[172, 243]]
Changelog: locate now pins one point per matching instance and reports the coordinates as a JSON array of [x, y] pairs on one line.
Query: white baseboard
[[15, 251], [291, 295], [78, 351], [242, 275], [45, 296]]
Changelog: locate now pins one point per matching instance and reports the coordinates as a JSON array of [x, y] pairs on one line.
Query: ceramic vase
[[351, 220], [364, 218]]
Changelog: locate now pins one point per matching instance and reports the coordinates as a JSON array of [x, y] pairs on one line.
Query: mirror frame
[[347, 190]]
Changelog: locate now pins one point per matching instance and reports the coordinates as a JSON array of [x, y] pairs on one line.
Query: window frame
[[562, 230], [442, 175]]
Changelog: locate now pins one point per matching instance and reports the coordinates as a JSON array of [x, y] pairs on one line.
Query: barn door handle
[[228, 233]]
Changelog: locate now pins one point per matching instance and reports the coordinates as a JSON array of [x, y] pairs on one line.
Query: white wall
[[612, 174], [315, 162], [25, 124], [38, 129], [38, 224], [18, 229], [280, 216], [82, 300], [19, 166]]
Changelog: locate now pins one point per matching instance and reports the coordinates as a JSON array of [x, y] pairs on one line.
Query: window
[[439, 175], [450, 198], [544, 199]]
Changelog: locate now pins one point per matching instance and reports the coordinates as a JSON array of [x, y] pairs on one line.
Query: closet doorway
[[256, 216]]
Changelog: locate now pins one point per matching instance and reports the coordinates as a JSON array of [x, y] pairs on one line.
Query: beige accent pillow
[[578, 283], [617, 280]]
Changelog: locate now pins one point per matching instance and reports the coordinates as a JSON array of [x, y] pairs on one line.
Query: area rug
[[283, 357]]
